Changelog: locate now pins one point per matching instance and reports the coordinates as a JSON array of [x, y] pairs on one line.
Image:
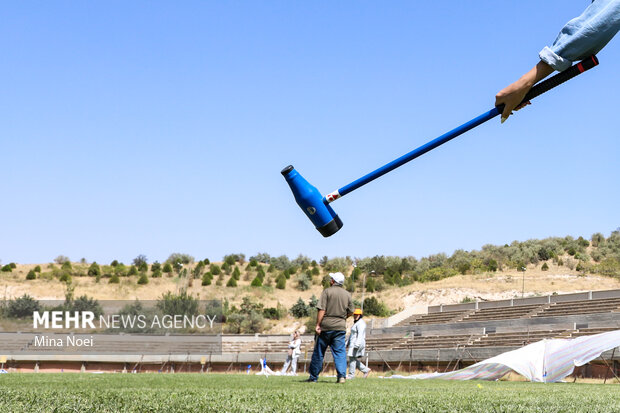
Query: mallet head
[[311, 202]]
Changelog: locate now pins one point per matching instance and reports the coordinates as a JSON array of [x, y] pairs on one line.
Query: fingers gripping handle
[[557, 80]]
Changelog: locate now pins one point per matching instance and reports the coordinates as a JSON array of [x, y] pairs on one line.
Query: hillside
[[553, 265]]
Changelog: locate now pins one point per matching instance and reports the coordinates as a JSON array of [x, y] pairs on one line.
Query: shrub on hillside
[[61, 259], [371, 285], [247, 319], [304, 282], [281, 282], [433, 274], [372, 306], [311, 322], [6, 268], [280, 263], [114, 279], [177, 304], [156, 266], [491, 264], [139, 260], [257, 282], [313, 301], [22, 307], [232, 282], [168, 269], [120, 270], [275, 313], [37, 269], [349, 284], [198, 270], [583, 242], [94, 269], [252, 323], [132, 271], [215, 269], [597, 239], [143, 279], [179, 258], [299, 309], [609, 267], [84, 303], [271, 313], [544, 267], [207, 278], [231, 259], [31, 275]]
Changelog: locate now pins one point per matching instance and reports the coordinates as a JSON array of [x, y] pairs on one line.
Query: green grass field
[[218, 392]]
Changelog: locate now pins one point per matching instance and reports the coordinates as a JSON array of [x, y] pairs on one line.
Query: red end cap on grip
[[587, 64], [580, 67]]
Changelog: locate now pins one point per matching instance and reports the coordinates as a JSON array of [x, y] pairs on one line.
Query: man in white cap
[[335, 305]]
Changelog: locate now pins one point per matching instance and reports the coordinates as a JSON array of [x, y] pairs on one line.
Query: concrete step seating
[[503, 313], [581, 307], [262, 347], [517, 339], [591, 331], [443, 341], [440, 318], [111, 344], [383, 341]]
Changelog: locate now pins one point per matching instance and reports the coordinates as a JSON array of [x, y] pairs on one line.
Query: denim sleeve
[[584, 35]]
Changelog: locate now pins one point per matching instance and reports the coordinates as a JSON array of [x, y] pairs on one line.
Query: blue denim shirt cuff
[[552, 59]]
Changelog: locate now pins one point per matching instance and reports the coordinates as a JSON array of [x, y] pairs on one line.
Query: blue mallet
[[317, 208]]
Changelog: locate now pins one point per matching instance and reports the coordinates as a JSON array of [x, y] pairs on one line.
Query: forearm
[[513, 95], [536, 74]]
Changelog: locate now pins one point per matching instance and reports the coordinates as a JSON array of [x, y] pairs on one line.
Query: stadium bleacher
[[436, 318], [581, 307], [503, 313], [465, 332], [517, 339]]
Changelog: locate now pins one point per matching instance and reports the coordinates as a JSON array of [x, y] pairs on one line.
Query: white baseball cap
[[338, 277]]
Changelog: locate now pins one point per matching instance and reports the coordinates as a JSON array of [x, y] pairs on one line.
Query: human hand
[[512, 96], [317, 329]]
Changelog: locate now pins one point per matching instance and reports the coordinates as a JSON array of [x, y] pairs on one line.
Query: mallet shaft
[[537, 90]]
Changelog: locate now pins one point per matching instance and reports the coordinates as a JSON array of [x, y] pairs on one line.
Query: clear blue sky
[[151, 127]]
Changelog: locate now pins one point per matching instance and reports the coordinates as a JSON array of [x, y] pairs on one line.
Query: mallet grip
[[546, 85]]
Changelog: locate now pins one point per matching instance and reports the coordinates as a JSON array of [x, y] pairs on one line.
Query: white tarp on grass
[[544, 361]]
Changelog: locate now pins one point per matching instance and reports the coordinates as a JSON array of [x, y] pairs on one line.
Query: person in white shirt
[[357, 345], [294, 351]]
